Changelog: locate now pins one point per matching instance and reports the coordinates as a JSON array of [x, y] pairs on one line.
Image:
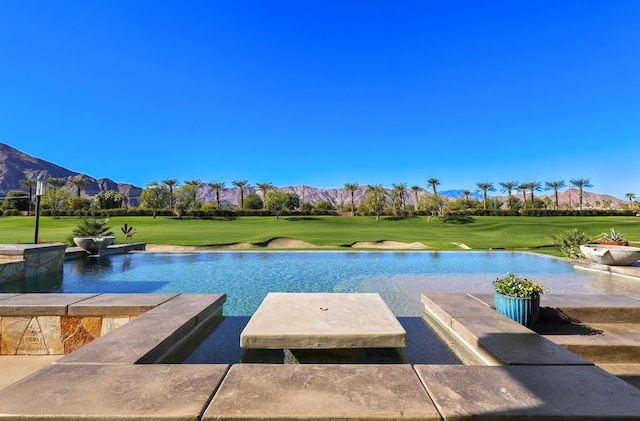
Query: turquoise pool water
[[246, 277]]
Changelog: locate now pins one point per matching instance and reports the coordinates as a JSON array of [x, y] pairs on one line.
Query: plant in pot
[[613, 238], [518, 298], [93, 234]]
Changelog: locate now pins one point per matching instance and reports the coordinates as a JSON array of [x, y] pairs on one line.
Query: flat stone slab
[[93, 392], [40, 304], [543, 392], [118, 304], [203, 306], [513, 344], [321, 392], [323, 321]]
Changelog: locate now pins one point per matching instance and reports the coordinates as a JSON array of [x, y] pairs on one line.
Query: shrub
[[569, 242]]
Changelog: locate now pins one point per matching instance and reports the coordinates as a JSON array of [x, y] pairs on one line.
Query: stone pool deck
[[513, 372]]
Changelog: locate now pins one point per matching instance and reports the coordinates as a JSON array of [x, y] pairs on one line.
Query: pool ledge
[[117, 376]]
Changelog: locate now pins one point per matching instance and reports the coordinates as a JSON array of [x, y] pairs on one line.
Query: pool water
[[247, 277]]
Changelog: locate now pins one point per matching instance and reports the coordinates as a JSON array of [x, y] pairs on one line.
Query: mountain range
[[16, 165]]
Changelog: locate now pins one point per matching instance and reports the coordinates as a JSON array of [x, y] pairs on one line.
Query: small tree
[[252, 201], [17, 199], [277, 202], [376, 200], [155, 196], [323, 207]]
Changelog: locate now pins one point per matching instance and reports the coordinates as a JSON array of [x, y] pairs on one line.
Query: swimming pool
[[246, 277]]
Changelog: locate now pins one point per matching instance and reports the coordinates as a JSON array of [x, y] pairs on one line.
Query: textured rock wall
[[53, 335]]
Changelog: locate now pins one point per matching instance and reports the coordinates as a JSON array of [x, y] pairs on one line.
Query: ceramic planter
[[522, 310]]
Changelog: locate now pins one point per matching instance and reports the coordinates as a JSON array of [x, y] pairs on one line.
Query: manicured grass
[[483, 233]]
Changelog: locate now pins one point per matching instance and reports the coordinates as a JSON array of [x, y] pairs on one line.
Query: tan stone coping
[[494, 338], [105, 385]]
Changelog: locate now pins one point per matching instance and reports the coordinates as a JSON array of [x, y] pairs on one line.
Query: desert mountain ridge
[[16, 165]]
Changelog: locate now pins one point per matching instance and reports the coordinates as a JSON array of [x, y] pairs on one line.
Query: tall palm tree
[[352, 188], [241, 184], [534, 186], [523, 188], [264, 188], [555, 186], [399, 191], [484, 188], [195, 184], [509, 187], [416, 189], [30, 184], [581, 183], [80, 182], [630, 196], [170, 183], [434, 183], [217, 187]]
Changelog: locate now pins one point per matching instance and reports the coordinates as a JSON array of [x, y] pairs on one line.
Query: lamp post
[[39, 188]]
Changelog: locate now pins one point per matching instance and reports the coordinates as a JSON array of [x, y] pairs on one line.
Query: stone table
[[300, 321]]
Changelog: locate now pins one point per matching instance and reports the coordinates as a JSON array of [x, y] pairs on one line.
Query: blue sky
[[323, 93]]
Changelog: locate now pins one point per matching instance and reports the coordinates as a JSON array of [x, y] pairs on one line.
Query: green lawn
[[483, 233]]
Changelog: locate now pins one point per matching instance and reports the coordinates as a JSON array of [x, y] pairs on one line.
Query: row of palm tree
[[398, 190]]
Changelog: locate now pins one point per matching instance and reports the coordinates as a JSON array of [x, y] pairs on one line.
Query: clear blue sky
[[327, 92]]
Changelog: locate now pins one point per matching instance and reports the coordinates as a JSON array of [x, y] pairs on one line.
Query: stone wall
[[53, 335], [18, 261]]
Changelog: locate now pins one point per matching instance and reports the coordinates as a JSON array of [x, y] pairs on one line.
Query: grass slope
[[483, 233]]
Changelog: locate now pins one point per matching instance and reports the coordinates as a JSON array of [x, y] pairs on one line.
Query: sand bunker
[[288, 243], [389, 245]]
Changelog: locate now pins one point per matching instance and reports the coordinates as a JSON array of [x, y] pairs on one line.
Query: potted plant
[[613, 238], [93, 234], [518, 298]]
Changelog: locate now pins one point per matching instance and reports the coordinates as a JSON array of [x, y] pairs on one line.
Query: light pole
[[39, 188]]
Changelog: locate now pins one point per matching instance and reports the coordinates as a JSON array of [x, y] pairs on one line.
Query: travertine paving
[[321, 392], [119, 375]]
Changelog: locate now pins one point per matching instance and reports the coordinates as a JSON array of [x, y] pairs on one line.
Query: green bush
[[569, 242]]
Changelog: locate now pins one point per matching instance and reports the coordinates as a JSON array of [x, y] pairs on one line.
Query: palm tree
[[581, 183], [352, 188], [434, 183], [217, 187], [264, 188], [466, 194], [416, 189], [399, 190], [555, 186], [484, 188], [194, 184], [55, 183], [241, 184], [509, 187], [170, 183], [534, 186], [80, 182], [630, 196], [30, 184], [522, 188]]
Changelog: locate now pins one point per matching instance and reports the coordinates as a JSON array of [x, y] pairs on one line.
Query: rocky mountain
[[16, 165]]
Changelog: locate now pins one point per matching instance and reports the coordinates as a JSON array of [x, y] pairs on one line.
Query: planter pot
[[522, 310], [93, 245], [611, 255]]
